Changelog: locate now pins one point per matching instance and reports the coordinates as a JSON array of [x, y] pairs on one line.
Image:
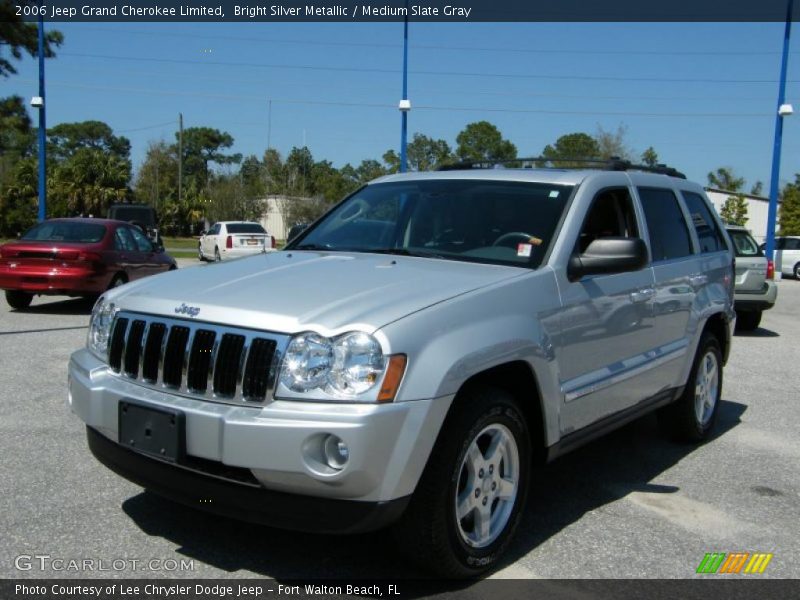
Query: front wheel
[[469, 500], [797, 271], [692, 416], [200, 255], [18, 300]]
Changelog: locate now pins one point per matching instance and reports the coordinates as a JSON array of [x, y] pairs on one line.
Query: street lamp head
[[405, 105], [785, 110], [37, 102]]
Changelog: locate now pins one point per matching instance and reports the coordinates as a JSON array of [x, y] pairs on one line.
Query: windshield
[[498, 222], [66, 231], [244, 228], [138, 214]]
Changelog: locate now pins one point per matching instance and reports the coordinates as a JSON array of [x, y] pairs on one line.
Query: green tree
[[202, 146], [392, 161], [157, 178], [789, 211], [725, 179], [572, 145], [426, 154], [482, 141], [88, 182], [16, 136], [734, 210], [650, 157], [18, 198], [66, 139], [757, 189], [18, 36], [612, 143]]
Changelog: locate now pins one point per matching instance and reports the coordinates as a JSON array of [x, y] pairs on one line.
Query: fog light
[[336, 452]]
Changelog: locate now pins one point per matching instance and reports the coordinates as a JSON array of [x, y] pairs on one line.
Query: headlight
[[100, 328], [358, 363], [307, 363], [346, 367]]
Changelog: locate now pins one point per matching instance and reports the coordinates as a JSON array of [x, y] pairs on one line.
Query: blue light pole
[[42, 127], [783, 110], [405, 104]]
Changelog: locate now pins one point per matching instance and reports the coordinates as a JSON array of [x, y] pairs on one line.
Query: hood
[[295, 291]]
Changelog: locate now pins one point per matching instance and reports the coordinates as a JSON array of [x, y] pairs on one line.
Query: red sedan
[[77, 257]]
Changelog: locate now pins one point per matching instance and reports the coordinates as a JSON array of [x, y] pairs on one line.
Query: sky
[[703, 95]]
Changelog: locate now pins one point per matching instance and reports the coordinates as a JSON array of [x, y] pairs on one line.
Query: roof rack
[[543, 162]]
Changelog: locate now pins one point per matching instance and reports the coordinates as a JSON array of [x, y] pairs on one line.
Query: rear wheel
[[797, 271], [468, 502], [217, 257], [693, 415], [18, 300], [748, 321]]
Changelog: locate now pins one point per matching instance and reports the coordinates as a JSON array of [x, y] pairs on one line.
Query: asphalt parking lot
[[632, 505]]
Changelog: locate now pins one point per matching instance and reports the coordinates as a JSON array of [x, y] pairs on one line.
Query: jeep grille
[[203, 360]]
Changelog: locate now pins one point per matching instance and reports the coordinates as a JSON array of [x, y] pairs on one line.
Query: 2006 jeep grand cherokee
[[409, 357]]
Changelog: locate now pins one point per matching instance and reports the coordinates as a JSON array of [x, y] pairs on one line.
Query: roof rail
[[543, 162]]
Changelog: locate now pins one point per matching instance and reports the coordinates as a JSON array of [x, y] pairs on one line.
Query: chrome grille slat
[[211, 361]]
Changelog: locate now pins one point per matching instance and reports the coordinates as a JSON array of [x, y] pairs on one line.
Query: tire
[[796, 271], [693, 415], [18, 300], [217, 257], [461, 473], [748, 321], [200, 256]]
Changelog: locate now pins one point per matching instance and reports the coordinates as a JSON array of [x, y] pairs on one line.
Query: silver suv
[[754, 290], [409, 357]]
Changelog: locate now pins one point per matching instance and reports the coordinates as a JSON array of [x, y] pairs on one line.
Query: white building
[[757, 208]]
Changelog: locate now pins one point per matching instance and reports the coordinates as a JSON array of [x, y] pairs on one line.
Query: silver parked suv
[[409, 357]]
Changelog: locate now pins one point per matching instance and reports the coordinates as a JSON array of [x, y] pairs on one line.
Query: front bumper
[[388, 444], [244, 502], [762, 299]]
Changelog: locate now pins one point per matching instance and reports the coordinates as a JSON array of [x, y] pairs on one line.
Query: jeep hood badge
[[192, 311]]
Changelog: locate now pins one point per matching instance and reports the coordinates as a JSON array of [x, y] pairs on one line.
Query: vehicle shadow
[[757, 333], [588, 478], [70, 306]]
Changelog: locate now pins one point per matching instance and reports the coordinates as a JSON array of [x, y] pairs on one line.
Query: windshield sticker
[[524, 249], [554, 194]]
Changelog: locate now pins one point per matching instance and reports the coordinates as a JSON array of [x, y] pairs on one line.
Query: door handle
[[698, 280], [643, 295]]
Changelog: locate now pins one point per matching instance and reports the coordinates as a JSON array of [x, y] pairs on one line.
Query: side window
[[708, 233], [123, 240], [669, 235], [142, 243], [780, 243], [611, 215], [792, 244]]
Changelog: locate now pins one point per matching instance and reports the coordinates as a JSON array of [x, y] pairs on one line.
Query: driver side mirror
[[608, 255], [203, 232]]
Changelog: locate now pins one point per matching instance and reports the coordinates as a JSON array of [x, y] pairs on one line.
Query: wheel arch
[[518, 379]]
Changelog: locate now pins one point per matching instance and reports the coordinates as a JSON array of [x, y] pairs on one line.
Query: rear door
[[678, 275], [148, 257]]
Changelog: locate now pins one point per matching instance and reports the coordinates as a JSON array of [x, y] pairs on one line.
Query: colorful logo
[[734, 563]]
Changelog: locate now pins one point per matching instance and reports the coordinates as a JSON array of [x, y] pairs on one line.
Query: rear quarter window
[[743, 243], [708, 233]]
